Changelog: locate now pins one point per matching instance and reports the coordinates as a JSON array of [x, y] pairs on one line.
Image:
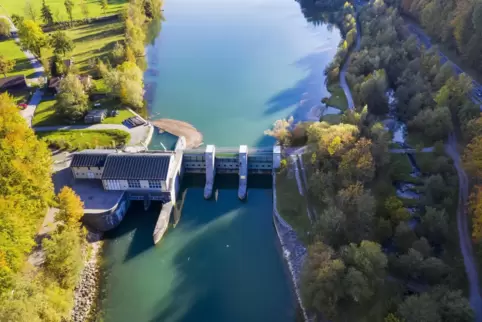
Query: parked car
[[22, 106]]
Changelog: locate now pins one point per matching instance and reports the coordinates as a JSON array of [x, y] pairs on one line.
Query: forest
[[372, 255], [454, 23]]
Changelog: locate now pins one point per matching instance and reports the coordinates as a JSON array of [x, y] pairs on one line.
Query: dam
[[157, 175]]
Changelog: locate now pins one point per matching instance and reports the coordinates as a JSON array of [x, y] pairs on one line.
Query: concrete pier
[[210, 157], [162, 222], [243, 171]]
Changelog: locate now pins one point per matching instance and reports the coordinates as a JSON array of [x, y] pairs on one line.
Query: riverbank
[[194, 138], [86, 292], [293, 250]]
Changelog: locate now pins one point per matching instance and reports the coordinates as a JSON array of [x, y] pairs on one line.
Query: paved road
[[138, 134], [29, 111], [410, 150], [476, 95], [343, 82], [462, 226]]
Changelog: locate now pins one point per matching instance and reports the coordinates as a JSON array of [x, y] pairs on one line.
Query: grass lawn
[[84, 139], [58, 8], [337, 98], [45, 113], [292, 206], [94, 41], [10, 49]]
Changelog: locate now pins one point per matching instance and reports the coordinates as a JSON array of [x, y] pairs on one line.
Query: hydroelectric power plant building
[[156, 176]]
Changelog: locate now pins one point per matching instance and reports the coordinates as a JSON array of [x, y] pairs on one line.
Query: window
[[134, 183], [155, 184]]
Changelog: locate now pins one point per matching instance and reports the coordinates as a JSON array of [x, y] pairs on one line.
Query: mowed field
[[10, 49], [93, 41], [58, 9]]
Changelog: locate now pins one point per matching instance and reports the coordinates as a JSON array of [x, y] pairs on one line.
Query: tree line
[[455, 23], [43, 293], [370, 256]]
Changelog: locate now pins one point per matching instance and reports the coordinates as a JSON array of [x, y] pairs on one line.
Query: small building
[[13, 83], [89, 164], [139, 171], [95, 116]]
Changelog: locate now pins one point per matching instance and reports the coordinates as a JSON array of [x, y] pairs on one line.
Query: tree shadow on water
[[221, 269], [306, 92]]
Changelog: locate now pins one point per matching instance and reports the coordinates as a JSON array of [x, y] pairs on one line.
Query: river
[[230, 68]]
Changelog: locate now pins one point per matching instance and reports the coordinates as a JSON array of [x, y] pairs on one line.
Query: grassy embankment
[[85, 139], [58, 9]]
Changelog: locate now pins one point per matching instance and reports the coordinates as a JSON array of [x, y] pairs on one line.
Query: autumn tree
[[5, 27], [6, 65], [476, 213], [46, 13], [71, 208], [281, 130], [357, 163], [473, 157], [25, 189], [61, 43], [72, 101], [32, 37], [126, 83]]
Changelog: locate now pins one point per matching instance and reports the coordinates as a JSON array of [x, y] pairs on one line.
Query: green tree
[[453, 305], [435, 224], [63, 260], [72, 102], [104, 4], [32, 37], [61, 43], [433, 124], [69, 6], [6, 65], [30, 11], [321, 280], [418, 308], [5, 27], [404, 236], [46, 13]]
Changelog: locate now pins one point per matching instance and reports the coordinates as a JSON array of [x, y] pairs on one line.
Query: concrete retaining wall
[[293, 250], [109, 219]]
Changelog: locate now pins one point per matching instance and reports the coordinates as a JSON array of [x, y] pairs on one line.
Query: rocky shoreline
[[85, 293], [293, 250]]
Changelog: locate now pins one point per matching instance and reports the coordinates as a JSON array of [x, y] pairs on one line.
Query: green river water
[[230, 68]]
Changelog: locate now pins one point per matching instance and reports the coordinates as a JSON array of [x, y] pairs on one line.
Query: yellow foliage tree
[[476, 213], [71, 208]]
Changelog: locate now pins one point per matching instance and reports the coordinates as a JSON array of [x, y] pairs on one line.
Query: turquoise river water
[[230, 68]]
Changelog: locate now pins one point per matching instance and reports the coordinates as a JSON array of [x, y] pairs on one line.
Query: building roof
[[90, 158], [8, 82], [140, 166], [96, 112]]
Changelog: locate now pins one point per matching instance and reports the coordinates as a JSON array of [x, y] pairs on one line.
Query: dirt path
[[463, 230]]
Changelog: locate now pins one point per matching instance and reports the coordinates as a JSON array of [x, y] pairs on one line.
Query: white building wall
[[144, 184]]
